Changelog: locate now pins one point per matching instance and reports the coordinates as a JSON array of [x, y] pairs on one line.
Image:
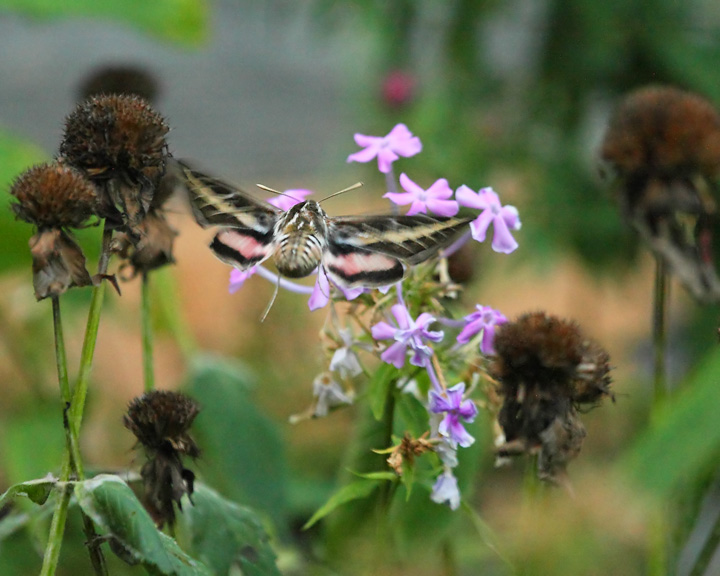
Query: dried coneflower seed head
[[537, 348], [118, 140], [116, 133], [664, 132], [161, 420], [546, 368], [664, 145], [53, 196]]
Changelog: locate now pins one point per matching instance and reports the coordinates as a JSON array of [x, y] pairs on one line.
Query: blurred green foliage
[[181, 21]]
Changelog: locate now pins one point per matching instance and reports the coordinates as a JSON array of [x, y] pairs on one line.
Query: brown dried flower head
[[58, 263], [546, 368], [160, 420], [53, 196], [664, 145], [118, 140], [664, 132]]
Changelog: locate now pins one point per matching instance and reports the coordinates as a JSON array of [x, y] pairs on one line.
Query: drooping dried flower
[[546, 369], [119, 142], [58, 263], [54, 197], [663, 144], [160, 420]]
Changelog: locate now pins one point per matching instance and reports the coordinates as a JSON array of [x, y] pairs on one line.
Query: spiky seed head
[[53, 196], [115, 134]]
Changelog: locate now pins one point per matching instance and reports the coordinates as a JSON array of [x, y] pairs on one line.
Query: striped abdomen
[[301, 239]]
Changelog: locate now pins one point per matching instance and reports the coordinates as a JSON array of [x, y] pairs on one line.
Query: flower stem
[[659, 529], [72, 464], [91, 331], [147, 333], [660, 298]]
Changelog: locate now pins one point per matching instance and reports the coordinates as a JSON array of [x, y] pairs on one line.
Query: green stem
[[147, 333], [660, 299], [659, 528], [91, 331], [57, 526]]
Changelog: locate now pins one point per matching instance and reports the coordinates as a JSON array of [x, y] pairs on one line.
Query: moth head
[[304, 218]]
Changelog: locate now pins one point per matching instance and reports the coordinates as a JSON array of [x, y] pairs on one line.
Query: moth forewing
[[216, 203], [411, 239]]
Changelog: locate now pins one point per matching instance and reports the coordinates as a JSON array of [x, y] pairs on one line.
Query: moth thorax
[[301, 237]]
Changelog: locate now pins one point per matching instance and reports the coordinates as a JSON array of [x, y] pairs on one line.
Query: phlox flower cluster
[[406, 340]]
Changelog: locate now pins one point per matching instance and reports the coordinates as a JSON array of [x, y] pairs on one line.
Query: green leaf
[[683, 437], [379, 387], [115, 510], [383, 476], [183, 21], [36, 490], [244, 445], [224, 534], [353, 491]]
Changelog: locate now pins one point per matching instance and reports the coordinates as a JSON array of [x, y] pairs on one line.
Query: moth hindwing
[[354, 250]]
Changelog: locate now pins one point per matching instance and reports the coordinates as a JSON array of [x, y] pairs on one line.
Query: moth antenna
[[272, 300], [348, 189], [268, 189]]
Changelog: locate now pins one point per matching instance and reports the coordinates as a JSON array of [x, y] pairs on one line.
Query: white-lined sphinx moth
[[354, 250]]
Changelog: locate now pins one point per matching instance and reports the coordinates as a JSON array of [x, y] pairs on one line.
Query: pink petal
[[440, 189], [402, 316], [367, 141], [321, 292], [480, 225], [399, 198], [385, 159], [466, 197], [383, 331], [443, 207], [418, 207], [410, 186], [395, 355], [363, 155], [503, 241]]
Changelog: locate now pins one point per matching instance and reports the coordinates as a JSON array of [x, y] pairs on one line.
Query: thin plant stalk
[[659, 529], [91, 331], [147, 334], [659, 330], [72, 464]]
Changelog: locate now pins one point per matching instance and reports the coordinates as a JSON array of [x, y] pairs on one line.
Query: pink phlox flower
[[408, 333], [455, 408], [387, 149], [238, 277], [503, 218], [289, 198], [321, 291], [485, 319], [446, 490], [435, 199]]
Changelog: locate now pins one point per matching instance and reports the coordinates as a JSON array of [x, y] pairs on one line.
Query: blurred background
[[511, 94]]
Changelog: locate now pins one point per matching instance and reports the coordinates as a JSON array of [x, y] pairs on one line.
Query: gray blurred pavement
[[263, 100]]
